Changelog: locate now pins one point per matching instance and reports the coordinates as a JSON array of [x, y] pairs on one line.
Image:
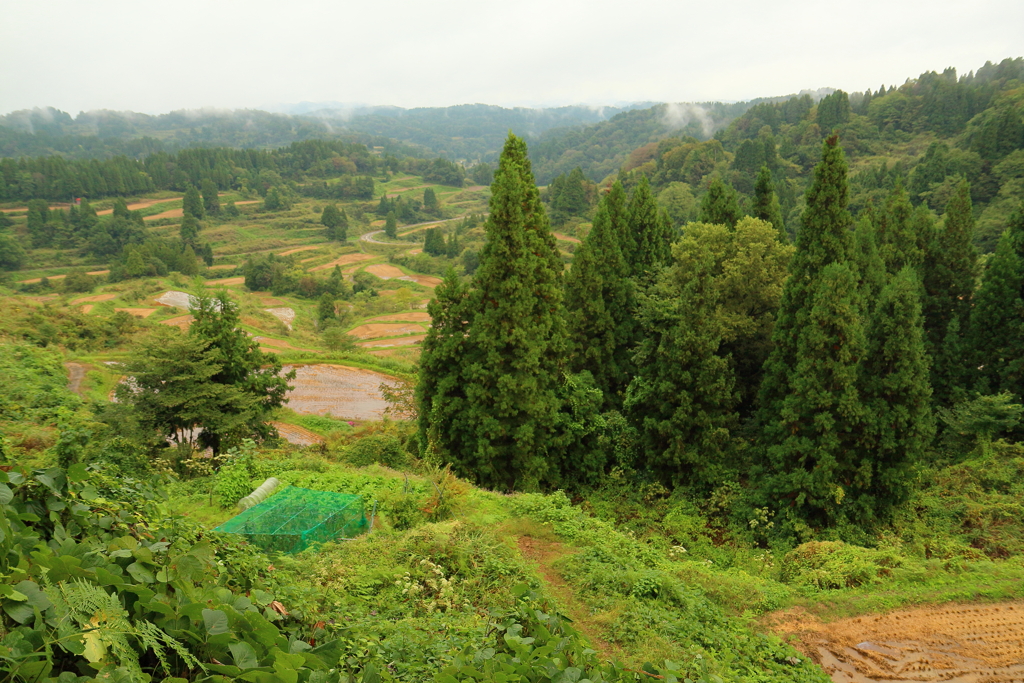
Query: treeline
[[805, 379]]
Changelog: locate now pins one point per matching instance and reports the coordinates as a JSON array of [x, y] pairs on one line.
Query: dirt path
[[76, 373], [297, 435], [344, 260], [544, 553], [565, 238], [968, 643]]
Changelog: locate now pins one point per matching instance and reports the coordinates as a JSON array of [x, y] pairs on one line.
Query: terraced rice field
[[343, 392], [375, 330]]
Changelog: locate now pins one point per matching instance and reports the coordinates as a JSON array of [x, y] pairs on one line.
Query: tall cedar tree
[[870, 267], [192, 204], [719, 204], [897, 394], [441, 392], [211, 201], [651, 231], [950, 269], [189, 229], [391, 225], [766, 202], [819, 422], [433, 242], [516, 341], [599, 310], [683, 396], [997, 327], [617, 206], [901, 232], [824, 239]]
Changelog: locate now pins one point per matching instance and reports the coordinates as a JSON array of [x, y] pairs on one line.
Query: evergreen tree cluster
[[809, 373]]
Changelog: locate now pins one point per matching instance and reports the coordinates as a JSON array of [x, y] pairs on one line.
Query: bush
[[384, 449], [834, 564]]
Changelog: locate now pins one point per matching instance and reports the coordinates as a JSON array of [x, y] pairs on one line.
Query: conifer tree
[[430, 204], [391, 225], [617, 207], [516, 344], [440, 391], [950, 270], [870, 267], [683, 396], [211, 201], [719, 204], [189, 229], [896, 393], [192, 204], [897, 232], [336, 223], [650, 229], [824, 239], [766, 202], [819, 421], [433, 242], [996, 341], [599, 310]]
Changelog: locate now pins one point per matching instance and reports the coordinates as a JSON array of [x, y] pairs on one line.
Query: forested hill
[[921, 137], [467, 132]]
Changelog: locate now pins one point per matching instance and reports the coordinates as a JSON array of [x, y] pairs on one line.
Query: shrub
[[834, 564]]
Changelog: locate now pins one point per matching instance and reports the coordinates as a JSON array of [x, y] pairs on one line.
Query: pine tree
[[617, 207], [896, 392], [211, 201], [325, 313], [440, 391], [766, 203], [650, 229], [719, 204], [824, 239], [192, 204], [391, 225], [599, 310], [516, 342], [683, 396], [433, 242], [430, 204], [452, 248], [950, 269], [996, 339], [897, 232]]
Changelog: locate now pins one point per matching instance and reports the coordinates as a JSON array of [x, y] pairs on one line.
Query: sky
[[155, 57]]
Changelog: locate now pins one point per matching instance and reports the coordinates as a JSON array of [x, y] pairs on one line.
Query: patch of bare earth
[[94, 298], [76, 373], [182, 322], [172, 213], [565, 238], [544, 553], [408, 316], [224, 282], [298, 249], [343, 260], [285, 315], [297, 435], [967, 643], [59, 277], [386, 343], [268, 344], [87, 308], [344, 392], [138, 312], [388, 272], [375, 330]]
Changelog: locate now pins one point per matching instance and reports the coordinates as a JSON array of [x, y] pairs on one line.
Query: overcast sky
[[155, 57]]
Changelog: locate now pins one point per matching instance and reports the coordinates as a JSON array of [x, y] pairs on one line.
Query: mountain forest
[[673, 392]]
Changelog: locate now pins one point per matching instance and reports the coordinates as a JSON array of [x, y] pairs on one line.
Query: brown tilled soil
[[172, 213], [344, 392], [375, 330], [182, 322], [223, 266], [140, 205], [565, 238], [248, 201], [389, 272], [138, 312], [297, 435], [408, 316], [226, 281], [968, 643], [59, 277], [87, 308], [298, 249], [343, 261], [94, 298], [401, 341]]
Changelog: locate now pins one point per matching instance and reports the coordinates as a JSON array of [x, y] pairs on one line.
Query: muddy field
[[375, 330], [343, 392], [408, 316], [94, 298], [182, 322], [387, 343], [297, 435], [344, 260], [959, 643], [225, 281]]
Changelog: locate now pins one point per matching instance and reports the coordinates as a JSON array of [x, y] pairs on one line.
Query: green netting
[[295, 518]]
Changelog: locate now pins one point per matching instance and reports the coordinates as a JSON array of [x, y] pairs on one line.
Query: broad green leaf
[[216, 621], [140, 573], [244, 655], [6, 494], [78, 472]]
